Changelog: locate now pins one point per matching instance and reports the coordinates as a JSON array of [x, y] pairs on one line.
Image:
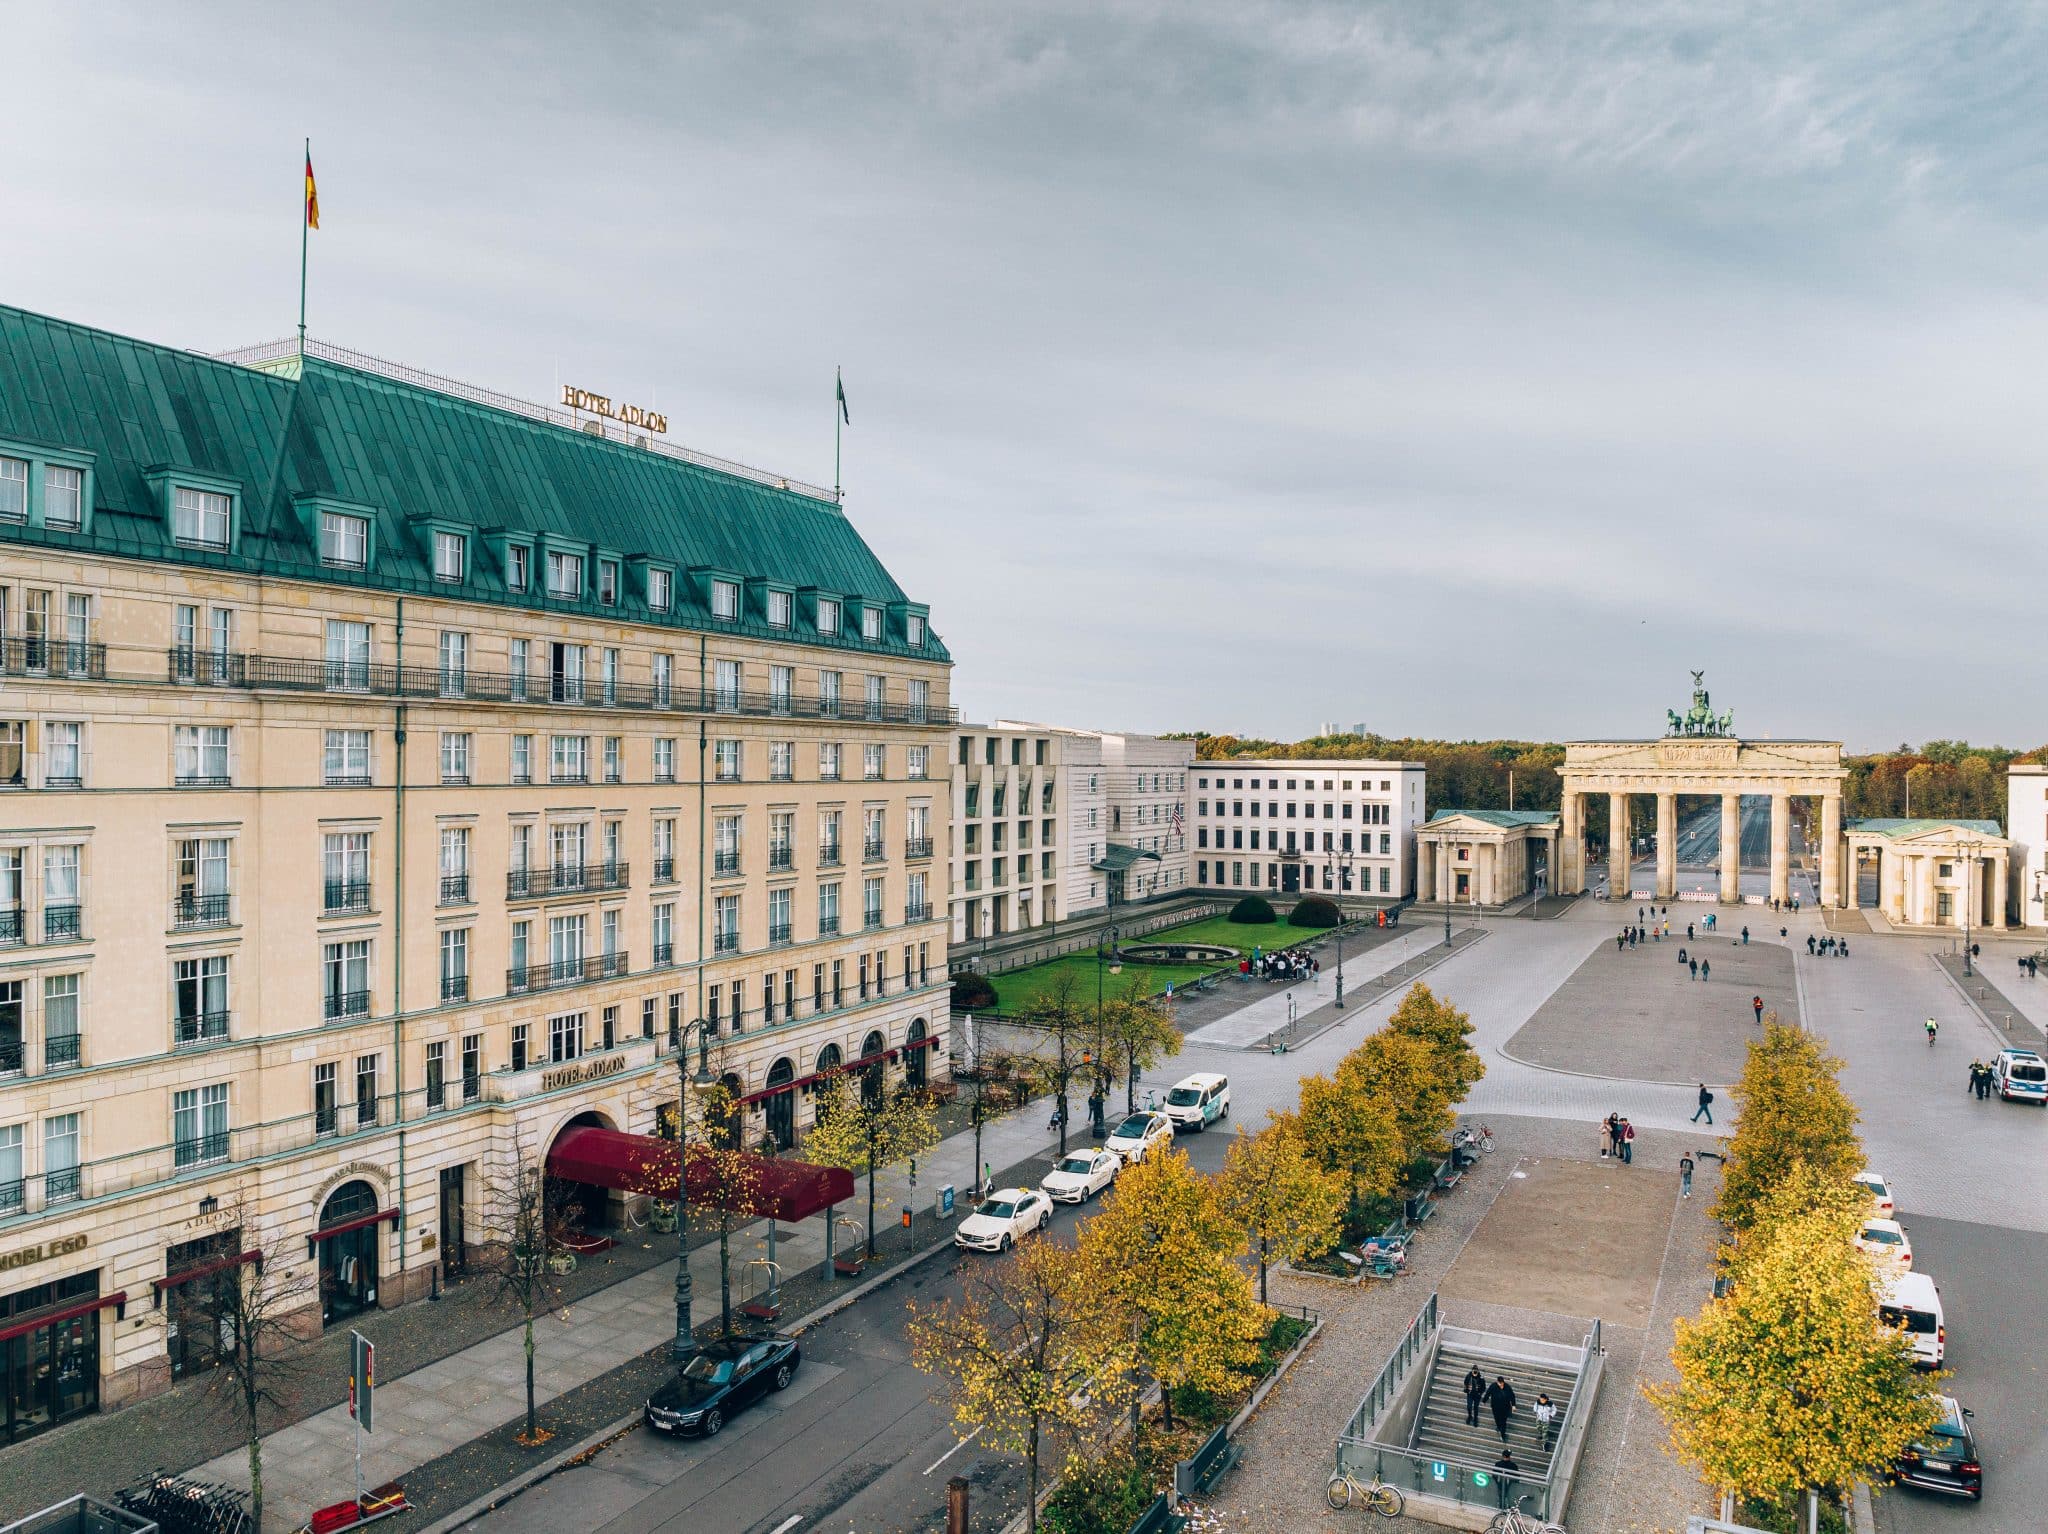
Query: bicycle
[[1932, 1028], [1375, 1495], [1519, 1520], [1483, 1138]]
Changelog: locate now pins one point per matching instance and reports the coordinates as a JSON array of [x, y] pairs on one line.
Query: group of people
[[1982, 1077], [1499, 1398], [1282, 964], [1699, 969], [1785, 905], [1621, 1139], [1821, 947]]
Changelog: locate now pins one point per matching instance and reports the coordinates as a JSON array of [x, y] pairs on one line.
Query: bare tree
[[525, 1221]]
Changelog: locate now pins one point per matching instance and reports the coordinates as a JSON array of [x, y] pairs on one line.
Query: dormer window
[[63, 497], [725, 600], [200, 518], [518, 566], [778, 609], [871, 623], [828, 615], [913, 630], [660, 589], [565, 576], [449, 552], [13, 489], [344, 540], [608, 582]]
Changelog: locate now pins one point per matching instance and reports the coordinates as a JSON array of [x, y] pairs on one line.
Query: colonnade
[[1665, 887]]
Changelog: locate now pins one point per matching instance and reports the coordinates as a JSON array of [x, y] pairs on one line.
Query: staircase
[[1442, 1432]]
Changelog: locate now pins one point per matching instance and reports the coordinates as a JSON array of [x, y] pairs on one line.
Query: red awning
[[27, 1324], [783, 1190], [204, 1270], [344, 1227], [851, 1067]]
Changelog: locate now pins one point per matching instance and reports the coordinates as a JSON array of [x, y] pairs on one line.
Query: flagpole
[[838, 410], [302, 257]]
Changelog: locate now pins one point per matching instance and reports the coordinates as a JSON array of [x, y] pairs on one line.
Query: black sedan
[[722, 1379]]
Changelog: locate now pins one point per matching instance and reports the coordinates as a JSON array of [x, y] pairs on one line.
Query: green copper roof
[[413, 456], [1896, 828], [1115, 860], [1505, 818]]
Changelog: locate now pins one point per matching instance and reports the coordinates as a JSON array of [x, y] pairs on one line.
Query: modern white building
[[2026, 825], [1288, 826]]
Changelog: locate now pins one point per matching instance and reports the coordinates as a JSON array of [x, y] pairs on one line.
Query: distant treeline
[[1944, 779]]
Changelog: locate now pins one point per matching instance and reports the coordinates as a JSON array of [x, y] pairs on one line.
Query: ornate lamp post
[[684, 1347]]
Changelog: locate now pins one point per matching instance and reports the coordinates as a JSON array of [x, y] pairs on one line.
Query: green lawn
[[1221, 929], [1018, 989]]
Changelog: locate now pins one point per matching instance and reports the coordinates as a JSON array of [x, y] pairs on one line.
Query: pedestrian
[[1706, 970], [1628, 1143], [1695, 969], [1745, 937], [1756, 1005], [1706, 1105], [1620, 941], [1500, 1395], [1688, 932], [1976, 1067], [1504, 1472], [1681, 955], [1613, 1126], [1475, 1391], [1545, 1412], [1809, 945], [1685, 1175], [1639, 913], [1842, 950]]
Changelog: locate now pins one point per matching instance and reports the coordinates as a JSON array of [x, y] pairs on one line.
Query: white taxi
[[1004, 1216], [1081, 1175], [1879, 1189], [1886, 1240], [1136, 1136]]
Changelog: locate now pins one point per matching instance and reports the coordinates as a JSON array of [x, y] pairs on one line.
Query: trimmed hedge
[[1252, 910], [973, 993], [1314, 911]]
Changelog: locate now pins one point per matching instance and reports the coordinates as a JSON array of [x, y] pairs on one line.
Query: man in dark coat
[[1500, 1395], [1475, 1391]]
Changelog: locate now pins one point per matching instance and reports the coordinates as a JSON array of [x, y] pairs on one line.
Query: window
[[828, 838], [660, 586], [345, 759], [781, 841], [345, 872], [921, 703], [449, 550], [455, 756], [518, 566], [778, 609], [202, 755], [60, 1158], [828, 761], [726, 686], [455, 964], [781, 760], [366, 1089], [569, 758], [828, 909], [913, 629], [871, 623], [520, 1034], [665, 759], [200, 519], [565, 673], [324, 1098], [346, 975], [608, 582], [877, 694], [725, 931], [199, 994], [522, 759], [829, 683], [60, 1021], [199, 1124], [348, 655], [565, 576], [828, 615], [14, 490], [779, 926], [567, 943], [781, 688], [454, 664], [876, 829], [201, 898], [565, 1037], [344, 540], [871, 760], [437, 1075], [472, 1066], [614, 766], [454, 865], [63, 496], [664, 679], [725, 845], [664, 850], [871, 902], [665, 933], [915, 906], [725, 600], [63, 754], [918, 759], [725, 760]]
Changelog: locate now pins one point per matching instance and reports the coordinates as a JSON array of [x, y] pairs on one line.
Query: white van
[[2020, 1075], [1198, 1101], [1911, 1301]]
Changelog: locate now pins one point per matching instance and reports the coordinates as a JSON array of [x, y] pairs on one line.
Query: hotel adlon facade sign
[[626, 415]]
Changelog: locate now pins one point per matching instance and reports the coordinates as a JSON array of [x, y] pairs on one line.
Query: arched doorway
[[829, 1059], [782, 1104], [348, 1260], [581, 1206], [730, 1112], [873, 1074], [913, 1057]]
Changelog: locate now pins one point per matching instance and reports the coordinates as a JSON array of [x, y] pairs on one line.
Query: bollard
[[956, 1505]]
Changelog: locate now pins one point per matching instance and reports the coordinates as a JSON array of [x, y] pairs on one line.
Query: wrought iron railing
[[918, 847], [454, 988], [205, 1027], [345, 897], [60, 1050], [455, 889], [202, 910], [874, 851], [828, 855], [63, 923], [664, 870], [780, 859], [557, 973], [341, 1004], [201, 1149], [567, 879]]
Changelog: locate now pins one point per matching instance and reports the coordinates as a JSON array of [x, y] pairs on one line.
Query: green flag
[[842, 398]]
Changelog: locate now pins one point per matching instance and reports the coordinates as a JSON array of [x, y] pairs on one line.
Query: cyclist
[[1932, 1026]]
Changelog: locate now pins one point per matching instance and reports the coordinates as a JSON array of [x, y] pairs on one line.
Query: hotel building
[[390, 774]]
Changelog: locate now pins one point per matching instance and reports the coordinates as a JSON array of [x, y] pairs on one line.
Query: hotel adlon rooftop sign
[[625, 415]]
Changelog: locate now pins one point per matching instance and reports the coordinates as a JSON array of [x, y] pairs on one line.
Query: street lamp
[[1095, 1123], [1969, 899], [1343, 888], [684, 1346]]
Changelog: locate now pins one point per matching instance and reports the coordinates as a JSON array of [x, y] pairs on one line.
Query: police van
[[2020, 1075]]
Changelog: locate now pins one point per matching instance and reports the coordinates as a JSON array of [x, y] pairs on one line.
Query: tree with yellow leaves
[[1787, 1385], [1352, 1131], [1794, 1112], [1270, 1185], [1165, 1251], [1032, 1345], [865, 1130], [1447, 1032], [1135, 1031]]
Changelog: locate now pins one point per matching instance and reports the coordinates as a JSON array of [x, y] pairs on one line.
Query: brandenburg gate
[[1700, 754]]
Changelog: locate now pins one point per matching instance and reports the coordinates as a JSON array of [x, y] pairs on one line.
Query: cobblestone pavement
[[2014, 1006]]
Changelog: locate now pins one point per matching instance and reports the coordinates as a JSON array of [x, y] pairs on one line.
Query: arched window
[[730, 1115], [914, 1056], [871, 1074], [829, 1059], [781, 1105]]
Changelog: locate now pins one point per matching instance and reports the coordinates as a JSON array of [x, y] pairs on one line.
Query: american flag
[[1176, 817]]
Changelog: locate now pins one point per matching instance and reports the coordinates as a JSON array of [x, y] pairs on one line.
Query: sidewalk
[[432, 1410]]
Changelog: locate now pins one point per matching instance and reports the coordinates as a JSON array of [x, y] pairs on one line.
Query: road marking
[[928, 1469], [787, 1524]]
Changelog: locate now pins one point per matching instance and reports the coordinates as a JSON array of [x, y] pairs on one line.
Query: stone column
[[1852, 896], [1667, 845], [1922, 912], [1831, 850], [1781, 846], [1569, 876], [1999, 892], [1891, 883], [1425, 867], [1619, 854], [1731, 849]]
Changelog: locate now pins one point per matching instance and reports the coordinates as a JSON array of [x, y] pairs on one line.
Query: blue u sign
[[1438, 1470]]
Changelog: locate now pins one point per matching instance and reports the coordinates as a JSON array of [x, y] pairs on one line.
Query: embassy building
[[392, 774]]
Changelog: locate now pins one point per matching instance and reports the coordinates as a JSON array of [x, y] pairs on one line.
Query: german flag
[[312, 196]]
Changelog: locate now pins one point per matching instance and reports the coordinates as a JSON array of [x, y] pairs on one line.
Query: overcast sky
[[1470, 370]]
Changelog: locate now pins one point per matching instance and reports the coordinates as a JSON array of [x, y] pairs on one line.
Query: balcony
[[566, 879], [664, 870], [724, 864], [455, 889], [191, 911], [725, 942], [209, 1027], [568, 774], [873, 851], [560, 972], [60, 1051], [197, 667], [664, 955], [203, 780], [11, 1197], [345, 897], [61, 1185], [340, 1005], [828, 855], [33, 655], [454, 988], [346, 780], [1290, 854], [779, 936], [828, 926], [780, 860], [63, 923], [920, 912], [874, 920], [918, 847], [13, 925], [11, 1057], [201, 1149]]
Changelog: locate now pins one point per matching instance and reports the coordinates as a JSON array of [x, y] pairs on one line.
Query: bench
[[1417, 1208], [1448, 1176], [1197, 1475], [1159, 1518]]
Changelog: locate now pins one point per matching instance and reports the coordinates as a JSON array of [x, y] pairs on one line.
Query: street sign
[[362, 1380], [1438, 1470], [946, 1201], [1481, 1478]]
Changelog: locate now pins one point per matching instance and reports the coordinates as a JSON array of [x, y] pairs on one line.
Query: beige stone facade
[[1930, 873], [1008, 829], [1486, 857]]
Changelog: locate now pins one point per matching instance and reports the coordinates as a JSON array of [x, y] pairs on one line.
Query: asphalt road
[[861, 1443], [1988, 1278]]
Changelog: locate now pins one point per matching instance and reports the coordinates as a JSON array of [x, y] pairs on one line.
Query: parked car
[[1199, 1100], [1911, 1303], [1886, 1240], [1880, 1191], [1136, 1136], [1081, 1175], [1006, 1215], [1946, 1459], [722, 1379], [2020, 1075]]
